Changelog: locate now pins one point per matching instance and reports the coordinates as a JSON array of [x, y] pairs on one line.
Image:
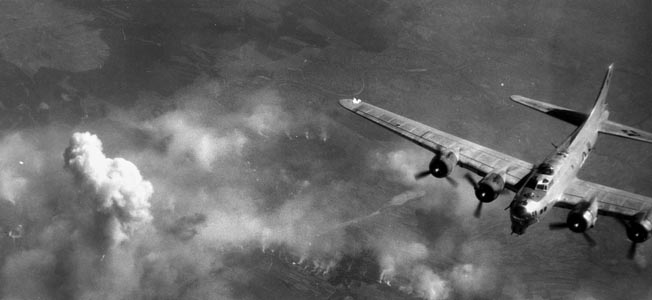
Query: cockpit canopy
[[538, 183], [545, 169]]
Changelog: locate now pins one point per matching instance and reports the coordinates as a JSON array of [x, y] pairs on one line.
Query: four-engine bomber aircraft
[[551, 183]]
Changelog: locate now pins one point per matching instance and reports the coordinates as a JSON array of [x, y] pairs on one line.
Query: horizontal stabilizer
[[577, 118], [621, 130], [573, 117]]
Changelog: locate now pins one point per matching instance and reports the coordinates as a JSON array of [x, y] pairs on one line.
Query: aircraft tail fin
[[610, 127], [601, 102], [578, 118]]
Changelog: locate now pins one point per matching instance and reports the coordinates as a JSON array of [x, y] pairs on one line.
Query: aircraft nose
[[518, 228], [520, 217], [519, 211]]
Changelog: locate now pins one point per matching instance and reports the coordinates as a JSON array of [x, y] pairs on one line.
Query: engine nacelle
[[583, 216], [640, 228], [442, 165], [490, 187]]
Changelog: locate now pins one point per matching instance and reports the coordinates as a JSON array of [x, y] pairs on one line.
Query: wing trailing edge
[[565, 114]]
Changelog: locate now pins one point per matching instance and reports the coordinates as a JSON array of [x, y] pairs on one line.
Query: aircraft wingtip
[[517, 98], [350, 103]]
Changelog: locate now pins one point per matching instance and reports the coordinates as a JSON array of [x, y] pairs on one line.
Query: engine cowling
[[583, 216], [490, 187], [640, 228], [442, 165]]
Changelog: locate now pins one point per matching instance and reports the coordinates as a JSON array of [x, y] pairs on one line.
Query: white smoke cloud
[[188, 138], [404, 263], [395, 254], [12, 186], [227, 227], [266, 119], [18, 161], [471, 279], [428, 285], [401, 165], [228, 184], [117, 188]]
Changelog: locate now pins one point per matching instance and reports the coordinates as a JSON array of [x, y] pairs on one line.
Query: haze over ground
[[228, 109]]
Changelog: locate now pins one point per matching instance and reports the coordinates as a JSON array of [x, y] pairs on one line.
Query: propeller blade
[[632, 251], [589, 239], [478, 210], [452, 181], [557, 226], [471, 180], [421, 175]]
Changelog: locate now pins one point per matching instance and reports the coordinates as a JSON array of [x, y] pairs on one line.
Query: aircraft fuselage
[[548, 181]]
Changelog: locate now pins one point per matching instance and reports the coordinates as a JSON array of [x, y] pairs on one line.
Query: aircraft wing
[[573, 117], [474, 157], [611, 201]]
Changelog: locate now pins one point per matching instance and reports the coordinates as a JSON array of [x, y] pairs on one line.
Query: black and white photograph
[[325, 149]]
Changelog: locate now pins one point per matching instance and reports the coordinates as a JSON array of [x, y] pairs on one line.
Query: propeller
[[452, 181], [589, 239], [471, 180], [557, 226], [421, 175], [564, 225], [425, 173], [475, 183], [478, 209], [631, 253]]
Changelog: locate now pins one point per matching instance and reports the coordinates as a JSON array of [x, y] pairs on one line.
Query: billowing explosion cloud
[[115, 186]]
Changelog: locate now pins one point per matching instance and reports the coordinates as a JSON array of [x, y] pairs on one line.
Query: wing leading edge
[[474, 157]]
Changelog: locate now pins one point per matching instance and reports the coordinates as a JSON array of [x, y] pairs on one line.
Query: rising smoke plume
[[115, 186]]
